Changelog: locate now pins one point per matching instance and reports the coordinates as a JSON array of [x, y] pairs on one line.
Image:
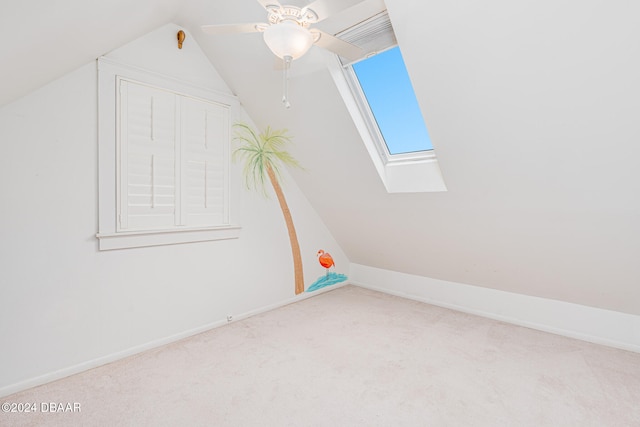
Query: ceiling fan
[[288, 32]]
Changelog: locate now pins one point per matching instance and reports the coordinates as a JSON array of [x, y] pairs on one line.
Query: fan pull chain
[[285, 81]]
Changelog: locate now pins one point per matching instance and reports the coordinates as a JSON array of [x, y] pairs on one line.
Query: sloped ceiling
[[532, 107]]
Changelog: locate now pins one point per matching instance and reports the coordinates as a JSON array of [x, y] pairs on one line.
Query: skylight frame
[[371, 122], [414, 172]]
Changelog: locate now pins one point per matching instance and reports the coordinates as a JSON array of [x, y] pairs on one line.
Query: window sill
[[140, 239], [415, 176]]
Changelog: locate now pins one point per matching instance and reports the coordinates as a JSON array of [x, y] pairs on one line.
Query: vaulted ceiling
[[532, 108]]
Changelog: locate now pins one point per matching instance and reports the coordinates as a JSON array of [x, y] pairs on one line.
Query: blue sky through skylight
[[390, 95]]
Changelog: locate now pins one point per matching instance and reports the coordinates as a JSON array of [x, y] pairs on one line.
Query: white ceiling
[[533, 108]]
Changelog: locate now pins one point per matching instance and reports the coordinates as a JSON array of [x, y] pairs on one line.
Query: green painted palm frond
[[250, 150], [254, 169], [260, 151]]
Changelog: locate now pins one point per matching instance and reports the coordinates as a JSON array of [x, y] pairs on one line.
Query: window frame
[[416, 172], [400, 173], [109, 236], [371, 123]]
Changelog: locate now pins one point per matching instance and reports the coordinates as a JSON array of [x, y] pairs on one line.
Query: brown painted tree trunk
[[293, 237]]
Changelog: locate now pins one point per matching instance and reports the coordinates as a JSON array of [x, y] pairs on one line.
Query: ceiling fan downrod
[[285, 81]]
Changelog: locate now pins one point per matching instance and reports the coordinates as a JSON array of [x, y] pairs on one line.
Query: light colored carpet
[[354, 357]]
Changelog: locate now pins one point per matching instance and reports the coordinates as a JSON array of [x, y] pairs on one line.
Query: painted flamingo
[[326, 260]]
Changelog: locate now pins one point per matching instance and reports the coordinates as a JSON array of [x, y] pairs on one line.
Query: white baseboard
[[611, 328], [94, 363]]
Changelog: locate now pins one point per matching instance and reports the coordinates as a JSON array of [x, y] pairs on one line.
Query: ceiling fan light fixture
[[288, 39]]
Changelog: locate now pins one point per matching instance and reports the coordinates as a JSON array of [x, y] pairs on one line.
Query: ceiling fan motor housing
[[302, 17]]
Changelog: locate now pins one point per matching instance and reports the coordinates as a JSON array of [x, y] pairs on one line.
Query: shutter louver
[[148, 178]]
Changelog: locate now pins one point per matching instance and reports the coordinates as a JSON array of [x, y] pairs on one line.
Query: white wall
[[64, 305], [533, 110]]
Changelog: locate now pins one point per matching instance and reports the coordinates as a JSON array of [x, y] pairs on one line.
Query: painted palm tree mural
[[263, 156]]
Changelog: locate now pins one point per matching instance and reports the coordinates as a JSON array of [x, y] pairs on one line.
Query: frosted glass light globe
[[288, 39]]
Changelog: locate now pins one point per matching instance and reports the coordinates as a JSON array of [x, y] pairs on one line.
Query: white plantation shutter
[[173, 160], [147, 157], [205, 136]]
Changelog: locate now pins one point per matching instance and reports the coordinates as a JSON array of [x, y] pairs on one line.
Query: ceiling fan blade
[[327, 8], [233, 28], [340, 47], [267, 3]]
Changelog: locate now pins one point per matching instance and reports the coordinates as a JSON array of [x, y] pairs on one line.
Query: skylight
[[389, 94], [379, 96]]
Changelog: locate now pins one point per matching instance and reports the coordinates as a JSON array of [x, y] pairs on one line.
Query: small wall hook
[[181, 37]]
